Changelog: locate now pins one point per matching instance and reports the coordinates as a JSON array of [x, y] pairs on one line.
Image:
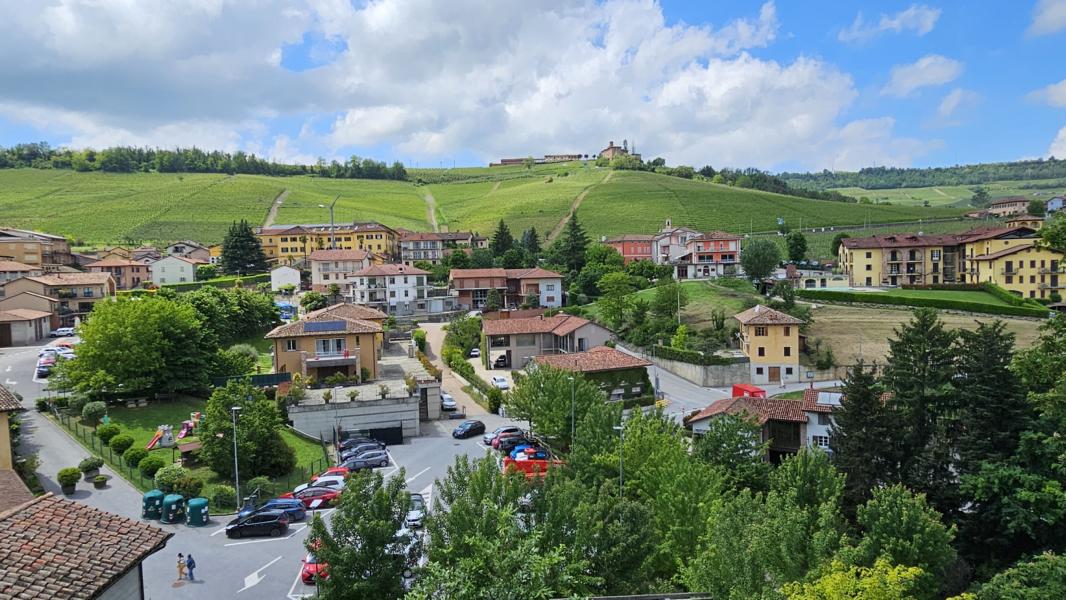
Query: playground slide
[[186, 429], [155, 440]]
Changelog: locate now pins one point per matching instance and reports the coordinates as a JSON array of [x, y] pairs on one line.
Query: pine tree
[[569, 248], [861, 431], [241, 251], [920, 375], [994, 410], [502, 241], [531, 241]]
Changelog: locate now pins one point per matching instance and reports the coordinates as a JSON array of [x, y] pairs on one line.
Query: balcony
[[333, 359], [1008, 272]]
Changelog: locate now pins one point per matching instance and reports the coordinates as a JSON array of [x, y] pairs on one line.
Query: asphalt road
[[260, 567]]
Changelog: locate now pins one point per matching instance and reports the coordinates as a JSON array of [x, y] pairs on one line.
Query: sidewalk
[[449, 382]]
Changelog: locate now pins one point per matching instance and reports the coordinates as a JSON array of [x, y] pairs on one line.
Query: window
[[1010, 279], [762, 351], [290, 345], [869, 255], [1032, 264], [822, 441], [550, 287], [330, 346], [869, 268], [788, 370], [788, 350], [824, 419], [760, 331], [758, 370], [788, 331], [935, 255], [1032, 279]]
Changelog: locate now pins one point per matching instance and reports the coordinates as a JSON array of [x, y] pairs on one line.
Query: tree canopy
[[241, 251]]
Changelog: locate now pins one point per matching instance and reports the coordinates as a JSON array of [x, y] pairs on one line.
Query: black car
[[359, 441], [500, 362], [508, 443], [368, 460], [359, 450], [267, 522], [468, 429]]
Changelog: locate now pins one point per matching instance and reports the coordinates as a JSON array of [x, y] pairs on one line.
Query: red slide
[[155, 440]]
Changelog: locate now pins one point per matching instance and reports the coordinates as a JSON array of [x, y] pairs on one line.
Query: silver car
[[417, 514], [446, 401]]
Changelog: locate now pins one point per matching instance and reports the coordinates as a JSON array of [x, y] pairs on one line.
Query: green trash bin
[[173, 509], [196, 514], [152, 507]]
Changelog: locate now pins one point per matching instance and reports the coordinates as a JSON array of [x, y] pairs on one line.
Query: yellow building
[[771, 341], [216, 253], [342, 338], [8, 404], [1025, 221], [900, 259], [1025, 268], [289, 243]]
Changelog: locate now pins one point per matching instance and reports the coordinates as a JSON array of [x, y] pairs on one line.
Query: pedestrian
[[191, 564], [181, 566]]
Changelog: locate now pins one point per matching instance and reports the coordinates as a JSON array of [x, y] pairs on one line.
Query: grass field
[[703, 298], [957, 195], [394, 203], [962, 295]]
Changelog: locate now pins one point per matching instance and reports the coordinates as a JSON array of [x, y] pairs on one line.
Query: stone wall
[[727, 375]]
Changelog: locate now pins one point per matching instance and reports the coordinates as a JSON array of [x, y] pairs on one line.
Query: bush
[[150, 465], [419, 336], [76, 403], [224, 496], [107, 432], [120, 443], [92, 412], [69, 476], [167, 478], [247, 350], [92, 463], [189, 486], [263, 484], [888, 298], [41, 404], [133, 457], [428, 366]]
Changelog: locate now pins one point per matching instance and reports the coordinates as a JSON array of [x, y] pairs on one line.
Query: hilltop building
[[612, 151], [546, 159], [1006, 207]]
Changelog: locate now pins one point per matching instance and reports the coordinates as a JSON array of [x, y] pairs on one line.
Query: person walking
[[181, 566], [190, 564]]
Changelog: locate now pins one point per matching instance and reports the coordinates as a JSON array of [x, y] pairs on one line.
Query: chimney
[[758, 307], [610, 144]]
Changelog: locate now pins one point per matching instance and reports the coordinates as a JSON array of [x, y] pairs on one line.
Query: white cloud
[[918, 18], [1054, 94], [1058, 147], [929, 70], [430, 78], [1049, 17], [953, 101]]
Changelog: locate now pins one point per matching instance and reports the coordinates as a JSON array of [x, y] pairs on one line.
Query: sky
[[777, 85]]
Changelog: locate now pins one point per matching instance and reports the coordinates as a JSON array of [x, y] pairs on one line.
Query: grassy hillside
[[959, 195], [637, 202], [395, 203]]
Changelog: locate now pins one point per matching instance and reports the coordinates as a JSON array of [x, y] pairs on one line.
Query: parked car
[[500, 382], [332, 471], [359, 450], [468, 429], [314, 496], [359, 441], [55, 351], [417, 513], [503, 436], [488, 437], [500, 362], [313, 569], [62, 332], [368, 460], [447, 402], [268, 522], [510, 443], [475, 353], [333, 481], [44, 366], [294, 509]]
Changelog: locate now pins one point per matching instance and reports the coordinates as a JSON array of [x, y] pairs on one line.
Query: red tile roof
[[1002, 253], [600, 358], [8, 401], [298, 328], [810, 399], [761, 409], [558, 324], [476, 273], [391, 269], [339, 255], [534, 273], [630, 237], [714, 236], [13, 492], [114, 261], [1010, 200], [22, 314], [900, 240], [10, 266], [349, 311], [52, 279], [763, 315], [56, 548]]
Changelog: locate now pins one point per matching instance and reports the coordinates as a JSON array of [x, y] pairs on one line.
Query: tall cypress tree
[[862, 430], [569, 248], [502, 240], [920, 374], [531, 241], [241, 251]]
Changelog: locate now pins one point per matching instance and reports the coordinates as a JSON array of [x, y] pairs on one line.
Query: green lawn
[[962, 295], [264, 346], [730, 295]]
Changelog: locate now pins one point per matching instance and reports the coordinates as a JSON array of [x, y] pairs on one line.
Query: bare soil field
[[855, 332]]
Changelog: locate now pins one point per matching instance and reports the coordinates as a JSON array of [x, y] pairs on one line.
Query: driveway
[[449, 383]]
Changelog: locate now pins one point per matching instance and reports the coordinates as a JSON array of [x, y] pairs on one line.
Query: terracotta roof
[[600, 358], [558, 324], [534, 273], [13, 492], [114, 261], [8, 401], [281, 229], [339, 255], [188, 243], [22, 314], [435, 235], [391, 269], [71, 278], [56, 548], [298, 328], [191, 261], [985, 233], [349, 311], [1010, 200], [763, 315], [715, 235], [1002, 253], [10, 266], [762, 409], [810, 399], [34, 294], [630, 237], [476, 273], [900, 240]]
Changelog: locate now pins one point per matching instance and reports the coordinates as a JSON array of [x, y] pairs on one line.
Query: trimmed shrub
[[92, 463], [189, 486], [150, 465], [120, 443], [168, 477], [133, 457], [107, 432], [224, 496], [41, 404], [888, 298], [265, 486], [419, 336], [92, 412], [68, 476]]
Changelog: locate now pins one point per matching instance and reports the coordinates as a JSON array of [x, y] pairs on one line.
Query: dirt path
[[574, 206], [937, 190], [495, 187], [272, 214], [431, 211]]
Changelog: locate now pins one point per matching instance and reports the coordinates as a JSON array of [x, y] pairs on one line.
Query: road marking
[[484, 446], [255, 577], [415, 476], [7, 381], [219, 530], [292, 595], [8, 369], [277, 539]]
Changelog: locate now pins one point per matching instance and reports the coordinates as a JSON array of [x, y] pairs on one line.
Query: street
[[263, 567]]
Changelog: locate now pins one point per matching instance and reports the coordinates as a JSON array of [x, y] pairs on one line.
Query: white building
[[819, 405], [282, 276], [397, 290], [174, 269], [336, 266], [1055, 204]]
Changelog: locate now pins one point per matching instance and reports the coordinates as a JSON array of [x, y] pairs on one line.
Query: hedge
[[688, 356], [220, 282], [454, 359], [1009, 298], [888, 298]]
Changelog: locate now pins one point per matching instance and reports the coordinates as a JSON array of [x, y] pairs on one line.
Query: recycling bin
[[173, 509], [152, 505], [196, 514]]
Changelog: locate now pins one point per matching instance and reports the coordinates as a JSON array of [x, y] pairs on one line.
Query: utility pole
[[573, 392], [621, 447], [332, 239], [236, 474]]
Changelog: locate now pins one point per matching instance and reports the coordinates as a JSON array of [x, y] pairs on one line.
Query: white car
[[56, 351], [62, 332], [329, 481], [475, 352], [446, 401], [500, 382]]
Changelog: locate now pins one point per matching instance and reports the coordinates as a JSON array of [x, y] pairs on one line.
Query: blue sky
[[782, 85]]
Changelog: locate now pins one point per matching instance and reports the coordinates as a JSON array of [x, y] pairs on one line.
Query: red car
[[314, 497], [343, 471], [313, 568]]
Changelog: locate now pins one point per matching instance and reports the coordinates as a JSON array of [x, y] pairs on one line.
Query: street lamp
[[573, 392], [332, 239], [621, 444], [236, 476]]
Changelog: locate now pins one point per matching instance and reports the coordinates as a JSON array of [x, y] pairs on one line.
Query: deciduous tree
[[759, 259], [615, 300], [260, 448]]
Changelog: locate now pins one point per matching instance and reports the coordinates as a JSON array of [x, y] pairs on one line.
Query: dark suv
[[267, 522]]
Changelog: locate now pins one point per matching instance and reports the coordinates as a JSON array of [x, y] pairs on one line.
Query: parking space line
[[415, 476], [219, 530], [277, 539], [292, 590]]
